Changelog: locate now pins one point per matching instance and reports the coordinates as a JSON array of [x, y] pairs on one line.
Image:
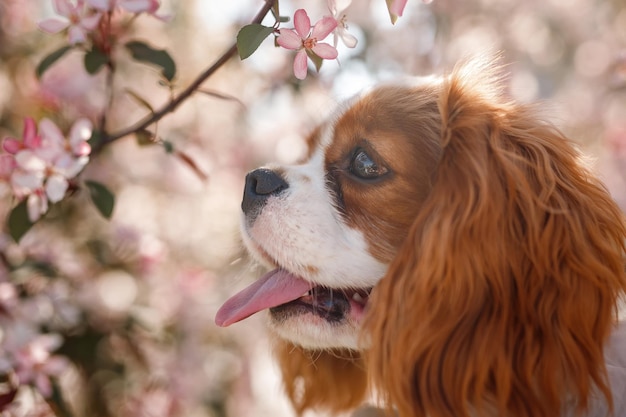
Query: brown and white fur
[[461, 260]]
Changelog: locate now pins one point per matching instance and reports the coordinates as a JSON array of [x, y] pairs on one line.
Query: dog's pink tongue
[[273, 289]]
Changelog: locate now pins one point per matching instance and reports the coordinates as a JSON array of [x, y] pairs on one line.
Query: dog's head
[[453, 236], [330, 226]]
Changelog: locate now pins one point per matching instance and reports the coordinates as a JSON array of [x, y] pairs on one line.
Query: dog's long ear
[[501, 298], [332, 381]]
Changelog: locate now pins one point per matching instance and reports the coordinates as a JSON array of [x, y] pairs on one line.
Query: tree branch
[[185, 94]]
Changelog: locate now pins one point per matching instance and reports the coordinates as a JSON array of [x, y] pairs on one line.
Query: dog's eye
[[363, 166]]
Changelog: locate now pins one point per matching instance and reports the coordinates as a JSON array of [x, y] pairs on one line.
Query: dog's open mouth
[[331, 304], [286, 294]]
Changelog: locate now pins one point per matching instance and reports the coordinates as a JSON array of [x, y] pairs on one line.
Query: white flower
[[338, 8], [35, 365], [75, 18]]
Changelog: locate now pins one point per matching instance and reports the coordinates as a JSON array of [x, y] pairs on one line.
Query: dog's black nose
[[260, 185]]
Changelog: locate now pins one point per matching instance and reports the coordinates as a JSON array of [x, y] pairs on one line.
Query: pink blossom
[[8, 298], [396, 7], [34, 363], [36, 204], [40, 166], [30, 138], [22, 167], [28, 174], [64, 158], [338, 8], [80, 133], [305, 38], [133, 6], [75, 18], [7, 165]]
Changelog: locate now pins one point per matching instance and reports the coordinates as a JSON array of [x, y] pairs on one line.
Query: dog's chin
[[323, 318], [305, 328]]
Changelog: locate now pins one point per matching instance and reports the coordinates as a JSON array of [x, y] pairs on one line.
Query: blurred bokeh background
[[131, 301]]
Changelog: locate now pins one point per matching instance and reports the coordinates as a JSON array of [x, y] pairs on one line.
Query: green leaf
[[169, 146], [95, 139], [19, 223], [144, 137], [143, 52], [317, 61], [94, 60], [51, 59], [250, 38], [103, 199]]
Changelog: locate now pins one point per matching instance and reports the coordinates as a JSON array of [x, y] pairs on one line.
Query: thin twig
[[110, 69], [186, 93], [109, 85]]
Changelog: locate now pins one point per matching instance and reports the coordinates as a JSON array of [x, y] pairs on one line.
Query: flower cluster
[[39, 166], [27, 357], [83, 16], [306, 39]]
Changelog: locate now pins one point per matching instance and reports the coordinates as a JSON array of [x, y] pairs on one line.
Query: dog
[[442, 248]]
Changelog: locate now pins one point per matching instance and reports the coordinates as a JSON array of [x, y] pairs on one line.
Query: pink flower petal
[[11, 145], [63, 7], [76, 35], [163, 17], [81, 149], [36, 205], [338, 6], [348, 39], [91, 22], [31, 139], [43, 344], [104, 5], [302, 23], [49, 131], [53, 25], [7, 165], [29, 161], [325, 51], [138, 6], [69, 166], [56, 365], [332, 6], [397, 7], [42, 382], [26, 182], [324, 27], [289, 39], [300, 65], [56, 187], [25, 375]]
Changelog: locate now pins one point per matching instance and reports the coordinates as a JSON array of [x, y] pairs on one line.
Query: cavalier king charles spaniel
[[443, 249]]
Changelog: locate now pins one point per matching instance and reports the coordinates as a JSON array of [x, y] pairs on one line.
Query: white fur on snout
[[302, 231]]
